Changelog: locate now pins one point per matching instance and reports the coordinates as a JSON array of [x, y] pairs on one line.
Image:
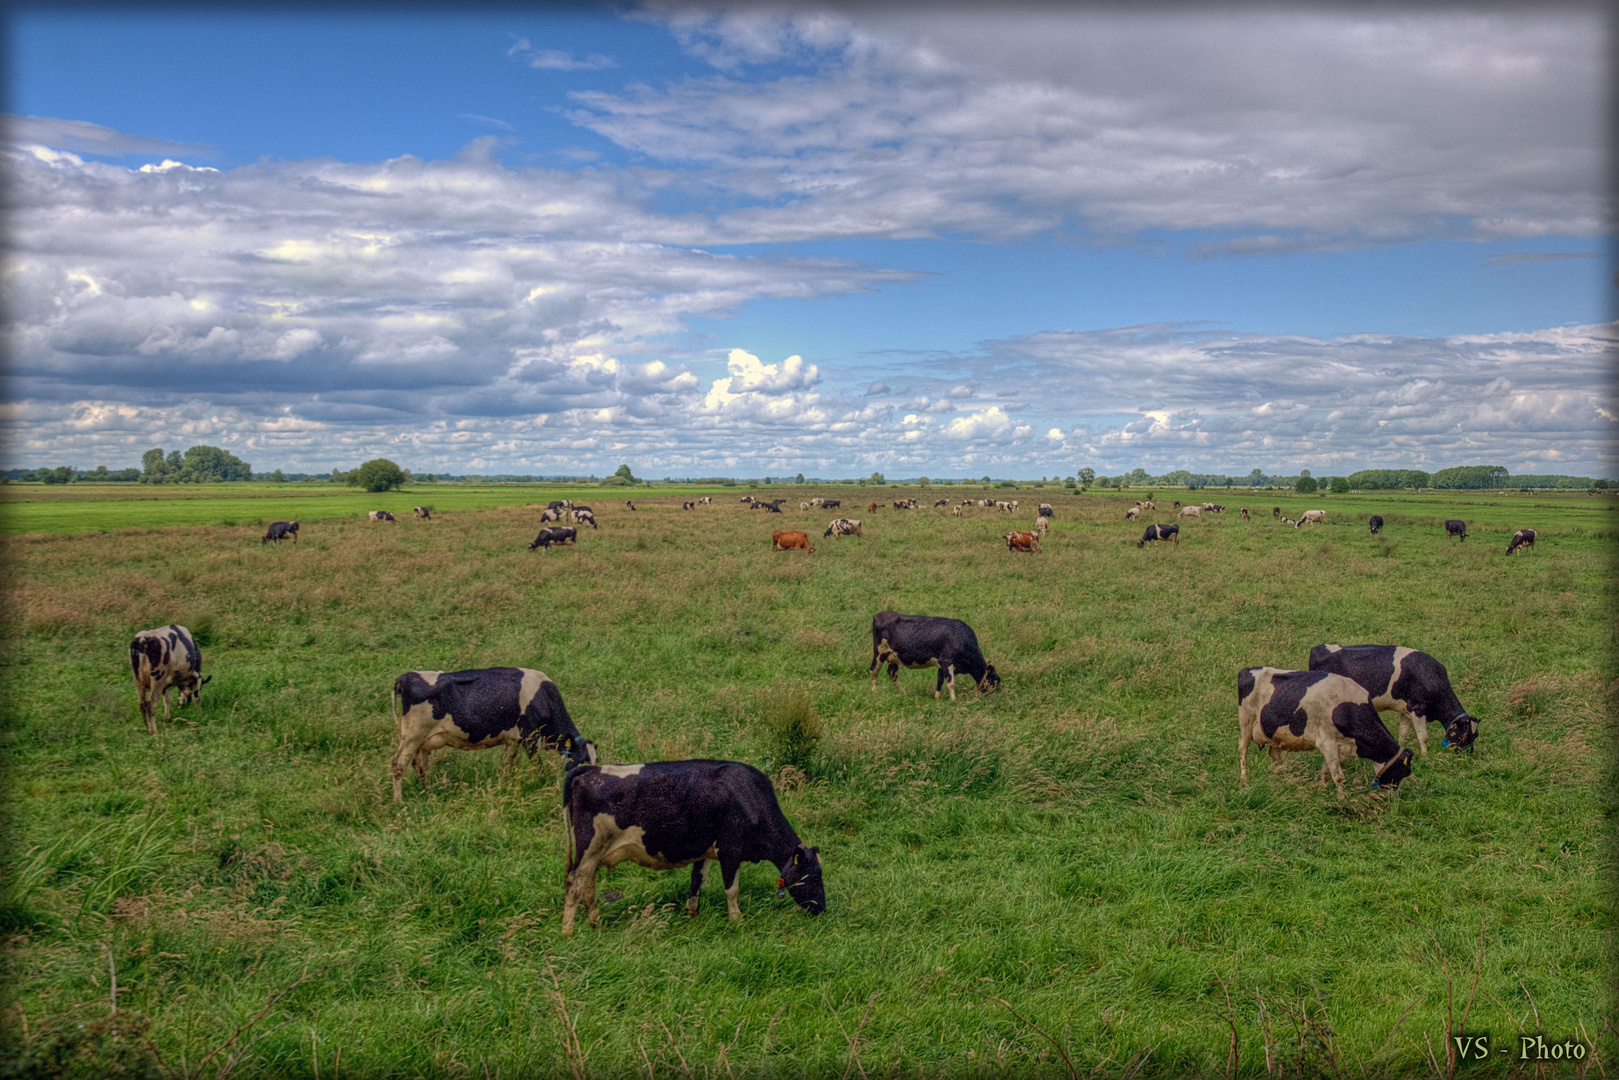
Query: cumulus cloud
[[558, 59]]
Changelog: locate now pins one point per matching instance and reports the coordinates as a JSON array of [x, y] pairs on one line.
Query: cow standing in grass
[[1523, 538], [422, 512], [1311, 517], [477, 709], [669, 814], [843, 527], [558, 534], [1315, 710], [1376, 524], [922, 641], [1405, 681], [163, 658], [1160, 532], [1456, 528], [280, 530], [380, 515], [1023, 541], [781, 540]]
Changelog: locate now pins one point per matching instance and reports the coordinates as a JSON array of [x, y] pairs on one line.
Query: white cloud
[[558, 59]]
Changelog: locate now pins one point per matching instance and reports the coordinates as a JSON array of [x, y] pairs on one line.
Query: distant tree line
[[198, 465]]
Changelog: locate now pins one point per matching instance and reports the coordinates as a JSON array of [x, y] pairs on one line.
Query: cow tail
[[570, 853], [399, 720]]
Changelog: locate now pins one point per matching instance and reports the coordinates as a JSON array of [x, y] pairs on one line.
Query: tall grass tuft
[[789, 725]]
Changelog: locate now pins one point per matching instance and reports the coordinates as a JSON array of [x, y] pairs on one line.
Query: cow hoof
[[691, 908]]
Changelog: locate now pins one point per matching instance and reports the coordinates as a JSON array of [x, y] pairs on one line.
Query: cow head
[[192, 690], [801, 879], [990, 681], [577, 752], [1397, 769], [1461, 732]]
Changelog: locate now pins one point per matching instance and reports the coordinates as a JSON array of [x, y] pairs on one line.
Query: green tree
[[1087, 477], [799, 479], [1339, 486], [154, 466], [211, 465], [57, 476], [1471, 476], [624, 471], [985, 480], [1306, 484], [923, 482], [378, 474], [877, 478]]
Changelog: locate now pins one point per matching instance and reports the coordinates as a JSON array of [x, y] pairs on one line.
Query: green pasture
[[1063, 878]]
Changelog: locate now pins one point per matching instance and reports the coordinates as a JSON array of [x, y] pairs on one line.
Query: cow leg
[[876, 665], [893, 673], [166, 703], [699, 873], [1329, 764], [406, 753], [1243, 739], [1416, 725], [731, 876], [581, 889]]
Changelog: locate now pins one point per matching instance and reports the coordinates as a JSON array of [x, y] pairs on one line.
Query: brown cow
[[788, 541], [1023, 541]]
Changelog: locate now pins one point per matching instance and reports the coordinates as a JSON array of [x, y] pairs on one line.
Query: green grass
[[1076, 845]]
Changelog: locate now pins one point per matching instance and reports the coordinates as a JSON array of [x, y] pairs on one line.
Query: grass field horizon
[[1062, 875]]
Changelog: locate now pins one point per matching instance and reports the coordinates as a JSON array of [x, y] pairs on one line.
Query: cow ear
[[206, 681], [814, 851]]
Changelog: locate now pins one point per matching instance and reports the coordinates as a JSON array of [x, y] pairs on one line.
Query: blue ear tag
[[1444, 743], [1376, 782]]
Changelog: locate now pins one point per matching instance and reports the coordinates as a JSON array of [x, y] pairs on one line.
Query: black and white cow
[[163, 658], [629, 503], [688, 506], [922, 641], [551, 513], [705, 499], [1405, 681], [1276, 512], [280, 530], [556, 504], [584, 516], [843, 527], [1315, 710], [563, 534], [1046, 511], [1245, 513], [669, 814], [1376, 523], [831, 504], [380, 515], [477, 709], [422, 512], [1523, 538], [1160, 532], [1455, 528]]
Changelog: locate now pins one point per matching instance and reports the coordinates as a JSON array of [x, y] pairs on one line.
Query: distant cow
[[817, 502], [872, 508], [551, 514], [921, 641], [629, 504], [789, 541], [669, 814], [1311, 517], [380, 515], [1190, 511], [688, 506], [557, 534], [556, 504], [1245, 513], [583, 516], [1404, 681], [1315, 710], [1132, 513], [804, 505], [1288, 521], [831, 504], [1045, 510], [477, 709], [1455, 528], [1276, 512], [1041, 525], [1160, 532], [280, 530], [421, 512], [773, 507], [843, 527], [956, 511], [705, 499], [163, 658], [1523, 538], [746, 499], [1023, 541], [1376, 523], [941, 502], [1148, 505]]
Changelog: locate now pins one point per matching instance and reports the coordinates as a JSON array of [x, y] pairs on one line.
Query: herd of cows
[[669, 814]]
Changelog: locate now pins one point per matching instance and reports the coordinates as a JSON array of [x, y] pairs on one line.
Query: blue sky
[[746, 240]]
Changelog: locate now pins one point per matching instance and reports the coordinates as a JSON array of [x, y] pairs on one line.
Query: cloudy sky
[[764, 240]]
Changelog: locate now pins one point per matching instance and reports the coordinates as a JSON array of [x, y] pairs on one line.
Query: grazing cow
[[551, 513], [477, 709], [831, 504], [1189, 511], [922, 641], [163, 658], [986, 503], [629, 504], [1014, 506], [1041, 525], [843, 527], [1376, 523], [872, 509], [1177, 505], [557, 534], [1276, 512], [421, 512], [1132, 513], [1523, 538], [1245, 513], [279, 530], [1289, 521], [584, 516], [1311, 517], [1160, 532], [941, 502], [1315, 710], [1148, 505], [790, 541], [816, 502], [804, 506], [1211, 508], [705, 499], [556, 504], [380, 515], [688, 506], [1023, 541], [773, 507], [669, 814], [1405, 681], [746, 498], [1455, 528], [956, 511], [1045, 510], [902, 505]]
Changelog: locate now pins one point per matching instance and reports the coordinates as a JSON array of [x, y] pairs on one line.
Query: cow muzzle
[[1461, 732]]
